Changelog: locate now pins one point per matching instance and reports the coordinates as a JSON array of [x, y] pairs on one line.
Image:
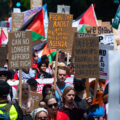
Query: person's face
[[69, 97], [41, 116], [61, 57], [61, 75], [25, 91], [52, 106], [43, 67], [3, 77]]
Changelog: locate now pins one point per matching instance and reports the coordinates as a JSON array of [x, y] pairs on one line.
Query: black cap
[[4, 88], [6, 72]]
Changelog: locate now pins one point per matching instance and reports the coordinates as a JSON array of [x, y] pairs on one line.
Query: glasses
[[51, 105], [42, 118], [62, 74]]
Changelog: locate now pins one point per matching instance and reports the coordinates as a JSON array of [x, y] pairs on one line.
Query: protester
[[81, 99], [26, 74], [39, 114], [100, 90], [33, 84], [61, 84], [61, 57], [42, 67], [47, 90], [6, 75], [73, 112], [52, 106], [27, 101], [95, 112], [70, 70], [8, 111]]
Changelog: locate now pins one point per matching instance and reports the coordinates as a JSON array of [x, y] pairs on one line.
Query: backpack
[[5, 109]]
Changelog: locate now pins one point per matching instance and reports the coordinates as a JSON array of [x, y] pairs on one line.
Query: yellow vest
[[12, 112]]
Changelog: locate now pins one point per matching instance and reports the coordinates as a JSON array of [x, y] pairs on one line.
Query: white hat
[[34, 112]]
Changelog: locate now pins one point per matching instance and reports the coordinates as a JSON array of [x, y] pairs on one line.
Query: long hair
[[66, 90]]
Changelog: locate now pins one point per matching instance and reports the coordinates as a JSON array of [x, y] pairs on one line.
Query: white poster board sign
[[63, 9], [107, 39], [114, 85], [103, 60]]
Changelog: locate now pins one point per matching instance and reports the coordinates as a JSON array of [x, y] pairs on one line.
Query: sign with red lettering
[[20, 50], [59, 29]]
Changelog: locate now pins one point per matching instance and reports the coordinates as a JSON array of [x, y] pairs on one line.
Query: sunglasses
[[51, 105], [42, 118]]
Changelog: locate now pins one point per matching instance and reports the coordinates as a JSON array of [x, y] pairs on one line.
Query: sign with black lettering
[[103, 60], [59, 30], [20, 50], [3, 56], [17, 21], [99, 30], [86, 57], [35, 3]]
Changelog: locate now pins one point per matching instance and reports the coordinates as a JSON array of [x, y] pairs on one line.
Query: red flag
[[89, 17], [2, 37]]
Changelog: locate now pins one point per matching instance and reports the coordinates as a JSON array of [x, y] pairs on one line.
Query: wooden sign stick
[[56, 64], [20, 87], [87, 87], [68, 57]]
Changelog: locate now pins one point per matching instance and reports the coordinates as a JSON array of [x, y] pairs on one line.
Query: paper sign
[[35, 3], [20, 50], [37, 97], [59, 30], [86, 57], [3, 56], [114, 85], [103, 59], [99, 30], [107, 39], [63, 9], [17, 21]]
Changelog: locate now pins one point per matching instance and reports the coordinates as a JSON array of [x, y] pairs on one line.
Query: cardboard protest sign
[[35, 3], [103, 60], [107, 39], [3, 56], [37, 97], [17, 21], [99, 30], [59, 30], [63, 9], [20, 50], [114, 85], [106, 23], [86, 57]]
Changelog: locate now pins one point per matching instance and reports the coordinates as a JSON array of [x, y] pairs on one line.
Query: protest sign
[[103, 59], [106, 23], [35, 3], [107, 39], [59, 30], [63, 9], [17, 21], [98, 30], [114, 85], [86, 57], [37, 97], [20, 50], [3, 56]]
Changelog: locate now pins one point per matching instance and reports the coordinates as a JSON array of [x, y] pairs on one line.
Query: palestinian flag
[[43, 50], [36, 25], [87, 19]]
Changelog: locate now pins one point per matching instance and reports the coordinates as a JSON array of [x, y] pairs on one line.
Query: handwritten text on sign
[[86, 57], [20, 50], [59, 30]]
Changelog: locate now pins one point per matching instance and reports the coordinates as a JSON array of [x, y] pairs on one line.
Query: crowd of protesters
[[61, 102]]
